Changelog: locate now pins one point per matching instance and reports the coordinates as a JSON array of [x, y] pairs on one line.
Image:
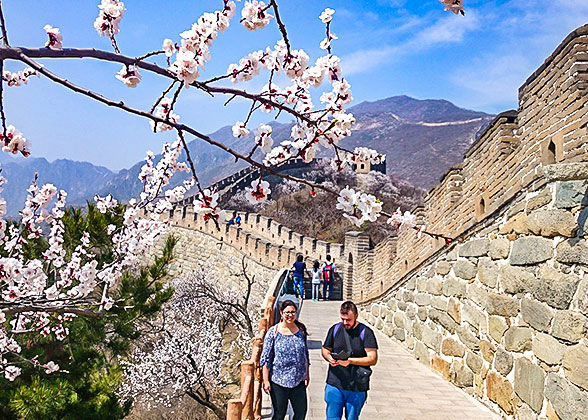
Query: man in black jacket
[[350, 348]]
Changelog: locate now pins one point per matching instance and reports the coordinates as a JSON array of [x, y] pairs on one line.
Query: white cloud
[[447, 30]]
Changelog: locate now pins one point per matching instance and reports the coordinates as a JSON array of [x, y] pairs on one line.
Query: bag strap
[[347, 342]]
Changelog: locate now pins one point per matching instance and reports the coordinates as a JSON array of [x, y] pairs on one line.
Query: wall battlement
[[549, 127]]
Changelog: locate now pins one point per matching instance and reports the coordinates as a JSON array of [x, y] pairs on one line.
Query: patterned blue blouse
[[286, 357]]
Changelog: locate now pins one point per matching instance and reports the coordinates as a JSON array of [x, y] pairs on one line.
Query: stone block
[[555, 288], [454, 287], [568, 401], [516, 280], [439, 302], [423, 313], [401, 305], [400, 320], [443, 319], [464, 269], [392, 305], [417, 330], [442, 367], [572, 251], [473, 316], [468, 338], [570, 194], [503, 361], [540, 200], [566, 171], [496, 327], [452, 254], [517, 224], [475, 248], [569, 326], [442, 268], [475, 362], [548, 349], [537, 314], [422, 299], [375, 310], [399, 334], [421, 284], [379, 323], [388, 329], [499, 248], [487, 349], [432, 339], [487, 272], [552, 222], [435, 286], [477, 294], [501, 392], [453, 309], [518, 339], [461, 375], [421, 353], [529, 383], [531, 250], [575, 364], [451, 347], [583, 296], [498, 304]]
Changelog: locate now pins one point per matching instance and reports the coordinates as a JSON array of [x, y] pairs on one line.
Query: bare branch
[[165, 92], [53, 309], [151, 54], [2, 115], [15, 53], [281, 25], [3, 27]]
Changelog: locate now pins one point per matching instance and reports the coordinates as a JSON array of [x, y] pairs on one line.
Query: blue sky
[[388, 47]]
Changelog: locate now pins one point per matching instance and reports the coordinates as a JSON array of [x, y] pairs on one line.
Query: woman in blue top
[[285, 363], [299, 269]]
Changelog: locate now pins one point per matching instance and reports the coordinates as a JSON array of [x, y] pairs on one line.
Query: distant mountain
[[79, 179], [421, 138]]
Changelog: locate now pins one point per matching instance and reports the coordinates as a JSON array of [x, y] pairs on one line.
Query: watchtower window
[[550, 153]]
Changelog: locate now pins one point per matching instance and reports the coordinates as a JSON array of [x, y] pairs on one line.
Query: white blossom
[[129, 75], [15, 142], [55, 38], [11, 372], [168, 47], [108, 20], [258, 192], [326, 15], [253, 16], [456, 6], [240, 130]]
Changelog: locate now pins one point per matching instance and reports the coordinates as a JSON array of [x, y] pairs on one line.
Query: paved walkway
[[401, 387]]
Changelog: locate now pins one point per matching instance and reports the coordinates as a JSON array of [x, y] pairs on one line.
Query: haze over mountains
[[421, 138]]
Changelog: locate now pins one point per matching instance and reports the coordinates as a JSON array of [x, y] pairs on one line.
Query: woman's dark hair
[[299, 324], [316, 265], [299, 259]]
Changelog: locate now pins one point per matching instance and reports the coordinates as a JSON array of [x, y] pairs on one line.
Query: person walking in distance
[[328, 270], [316, 280], [285, 364], [299, 269], [350, 348]]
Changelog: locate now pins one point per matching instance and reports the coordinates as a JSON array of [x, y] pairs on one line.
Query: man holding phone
[[350, 348]]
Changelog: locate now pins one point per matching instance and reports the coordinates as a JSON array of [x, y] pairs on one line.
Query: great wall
[[501, 311]]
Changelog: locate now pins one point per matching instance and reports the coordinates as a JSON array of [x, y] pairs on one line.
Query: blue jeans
[[299, 284], [327, 289], [339, 399]]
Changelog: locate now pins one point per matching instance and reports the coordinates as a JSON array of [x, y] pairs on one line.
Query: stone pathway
[[401, 387]]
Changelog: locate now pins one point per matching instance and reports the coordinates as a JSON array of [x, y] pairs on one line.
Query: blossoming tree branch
[[42, 295]]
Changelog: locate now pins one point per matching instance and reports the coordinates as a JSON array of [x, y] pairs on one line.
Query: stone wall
[[504, 314], [550, 126]]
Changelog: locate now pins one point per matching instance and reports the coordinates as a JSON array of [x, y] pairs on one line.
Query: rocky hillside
[[422, 139]]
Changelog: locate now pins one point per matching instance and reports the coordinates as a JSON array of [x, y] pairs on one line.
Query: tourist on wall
[[350, 348], [285, 364], [299, 269], [316, 280], [328, 270]]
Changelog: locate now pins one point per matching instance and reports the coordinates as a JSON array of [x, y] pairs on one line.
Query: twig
[[3, 25], [165, 92], [151, 54], [229, 100], [2, 115], [281, 26], [15, 53], [114, 44]]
